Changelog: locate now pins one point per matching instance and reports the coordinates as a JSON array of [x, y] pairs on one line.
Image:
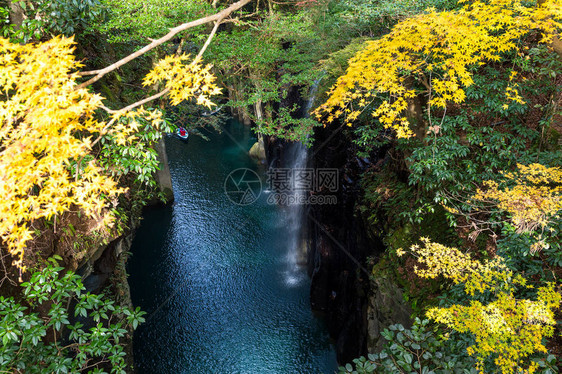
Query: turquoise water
[[216, 279]]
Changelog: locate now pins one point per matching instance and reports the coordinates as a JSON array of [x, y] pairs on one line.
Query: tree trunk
[[414, 113], [258, 110], [231, 98], [557, 45], [246, 120], [258, 150], [16, 14]]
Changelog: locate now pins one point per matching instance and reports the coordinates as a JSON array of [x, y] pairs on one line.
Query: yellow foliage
[[47, 129], [507, 329], [128, 134], [533, 196], [459, 267], [437, 49], [46, 124], [185, 80]]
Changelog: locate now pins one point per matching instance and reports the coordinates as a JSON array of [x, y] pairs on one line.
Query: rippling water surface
[[218, 283]]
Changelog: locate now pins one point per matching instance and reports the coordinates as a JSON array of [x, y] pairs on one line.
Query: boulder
[[258, 151], [386, 307]]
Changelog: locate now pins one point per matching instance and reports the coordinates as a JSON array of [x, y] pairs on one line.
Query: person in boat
[[182, 131]]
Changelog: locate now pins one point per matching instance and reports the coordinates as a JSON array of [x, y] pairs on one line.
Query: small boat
[[182, 134]]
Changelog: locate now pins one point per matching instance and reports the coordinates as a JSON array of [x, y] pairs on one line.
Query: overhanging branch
[[218, 17], [138, 103]]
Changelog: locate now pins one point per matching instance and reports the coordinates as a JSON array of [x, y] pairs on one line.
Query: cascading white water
[[296, 238], [297, 160]]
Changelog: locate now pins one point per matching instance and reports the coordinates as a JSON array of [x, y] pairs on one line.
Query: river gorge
[[222, 284]]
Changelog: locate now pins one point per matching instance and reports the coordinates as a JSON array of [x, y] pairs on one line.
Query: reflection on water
[[222, 290]]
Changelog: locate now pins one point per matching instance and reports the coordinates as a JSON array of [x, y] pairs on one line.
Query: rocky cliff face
[[163, 177], [357, 303], [101, 266], [386, 307], [107, 271], [339, 246]]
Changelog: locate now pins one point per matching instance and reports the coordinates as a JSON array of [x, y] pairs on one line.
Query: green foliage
[[337, 62], [287, 126], [261, 61], [59, 328], [139, 157], [541, 264], [138, 20], [50, 18], [376, 16], [460, 157], [415, 350]]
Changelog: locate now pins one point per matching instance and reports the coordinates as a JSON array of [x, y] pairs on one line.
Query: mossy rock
[[403, 237], [434, 226]]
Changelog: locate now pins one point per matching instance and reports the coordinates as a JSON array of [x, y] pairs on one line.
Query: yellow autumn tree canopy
[[48, 127], [532, 196], [438, 50], [507, 329]]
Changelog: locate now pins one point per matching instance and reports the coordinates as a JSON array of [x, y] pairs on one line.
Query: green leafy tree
[[140, 20], [48, 18], [415, 350], [60, 328], [261, 61]]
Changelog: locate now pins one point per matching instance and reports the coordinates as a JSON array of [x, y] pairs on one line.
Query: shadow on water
[[212, 275]]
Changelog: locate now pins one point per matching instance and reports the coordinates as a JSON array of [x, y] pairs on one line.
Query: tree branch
[[138, 103], [201, 21], [165, 91], [208, 41]]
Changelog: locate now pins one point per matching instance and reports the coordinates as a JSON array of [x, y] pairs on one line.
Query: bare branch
[[138, 103], [208, 41], [201, 21]]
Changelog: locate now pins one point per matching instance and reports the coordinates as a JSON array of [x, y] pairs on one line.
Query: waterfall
[[296, 159], [296, 239], [311, 96]]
